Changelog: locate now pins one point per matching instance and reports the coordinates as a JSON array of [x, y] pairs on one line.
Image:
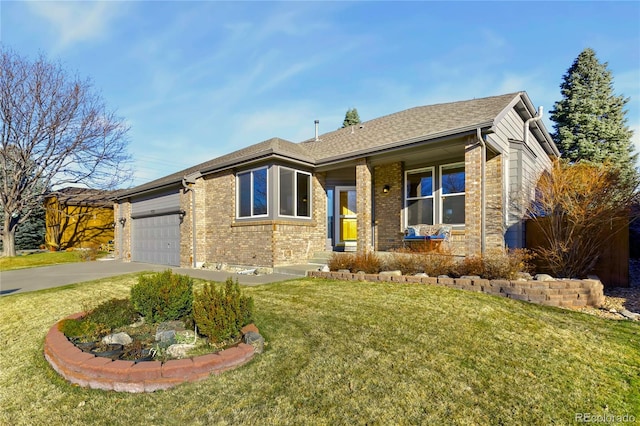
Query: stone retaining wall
[[88, 370], [562, 293]]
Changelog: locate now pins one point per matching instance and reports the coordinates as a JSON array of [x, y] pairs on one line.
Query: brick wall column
[[122, 233], [388, 206], [473, 196], [363, 204], [186, 227], [494, 217]]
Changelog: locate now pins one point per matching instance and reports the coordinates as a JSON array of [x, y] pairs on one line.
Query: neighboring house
[[469, 164], [79, 218]]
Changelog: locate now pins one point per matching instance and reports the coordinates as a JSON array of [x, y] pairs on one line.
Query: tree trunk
[[9, 237]]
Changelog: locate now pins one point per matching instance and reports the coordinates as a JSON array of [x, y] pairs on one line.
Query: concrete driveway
[[31, 279]]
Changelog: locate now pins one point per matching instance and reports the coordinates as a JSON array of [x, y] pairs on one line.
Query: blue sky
[[196, 80]]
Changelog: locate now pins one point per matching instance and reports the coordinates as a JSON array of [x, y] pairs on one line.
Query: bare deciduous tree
[[578, 207], [56, 132]]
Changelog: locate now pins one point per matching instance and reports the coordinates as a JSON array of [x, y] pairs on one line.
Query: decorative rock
[[325, 268], [117, 338], [166, 336], [390, 273], [344, 270], [543, 277], [631, 315], [470, 277], [444, 276], [361, 272], [254, 339], [179, 350], [421, 274], [171, 325]]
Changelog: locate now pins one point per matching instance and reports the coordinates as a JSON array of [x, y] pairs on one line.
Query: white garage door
[[156, 239]]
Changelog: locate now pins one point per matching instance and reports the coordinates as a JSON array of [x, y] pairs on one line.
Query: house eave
[[228, 165], [406, 143]]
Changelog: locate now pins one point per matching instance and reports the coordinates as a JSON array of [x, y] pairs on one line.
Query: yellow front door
[[347, 216]]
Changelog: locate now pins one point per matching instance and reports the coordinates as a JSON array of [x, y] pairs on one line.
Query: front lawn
[[350, 353], [32, 260]]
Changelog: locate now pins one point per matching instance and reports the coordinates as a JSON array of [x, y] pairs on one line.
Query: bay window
[[252, 193], [295, 193]]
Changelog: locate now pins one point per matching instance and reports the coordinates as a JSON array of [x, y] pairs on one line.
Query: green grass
[[349, 353], [33, 260]]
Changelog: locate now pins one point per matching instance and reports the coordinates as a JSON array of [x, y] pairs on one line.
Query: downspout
[[483, 199], [191, 179], [525, 129]]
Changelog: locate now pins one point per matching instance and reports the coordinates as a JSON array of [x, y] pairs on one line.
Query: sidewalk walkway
[[31, 279]]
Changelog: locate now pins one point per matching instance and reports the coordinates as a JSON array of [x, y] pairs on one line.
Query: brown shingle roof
[[270, 147], [419, 123], [423, 122]]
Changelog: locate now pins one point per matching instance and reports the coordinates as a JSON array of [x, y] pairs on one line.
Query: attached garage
[[155, 229]]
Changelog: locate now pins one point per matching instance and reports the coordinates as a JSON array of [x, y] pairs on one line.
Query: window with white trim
[[419, 196], [452, 183], [295, 193], [252, 193]]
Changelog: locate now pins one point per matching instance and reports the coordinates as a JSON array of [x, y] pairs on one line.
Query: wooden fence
[[613, 266]]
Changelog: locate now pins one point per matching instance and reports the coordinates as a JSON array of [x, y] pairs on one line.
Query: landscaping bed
[[102, 348]]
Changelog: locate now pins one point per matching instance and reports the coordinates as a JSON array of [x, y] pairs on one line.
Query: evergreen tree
[[590, 122], [351, 118], [30, 234]]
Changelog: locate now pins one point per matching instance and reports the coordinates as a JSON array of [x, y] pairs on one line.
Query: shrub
[[82, 329], [437, 263], [221, 313], [507, 264], [470, 265], [114, 313], [87, 254], [339, 261], [407, 263], [496, 264], [163, 296], [367, 261]]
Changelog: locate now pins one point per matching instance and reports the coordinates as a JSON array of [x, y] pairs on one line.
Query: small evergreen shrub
[[163, 296], [339, 261], [114, 313], [221, 313], [83, 330]]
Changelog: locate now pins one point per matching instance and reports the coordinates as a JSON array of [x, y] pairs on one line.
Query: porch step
[[295, 270], [320, 258], [300, 270]]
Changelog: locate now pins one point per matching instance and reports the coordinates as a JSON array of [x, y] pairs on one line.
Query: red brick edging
[[88, 370], [562, 293]]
